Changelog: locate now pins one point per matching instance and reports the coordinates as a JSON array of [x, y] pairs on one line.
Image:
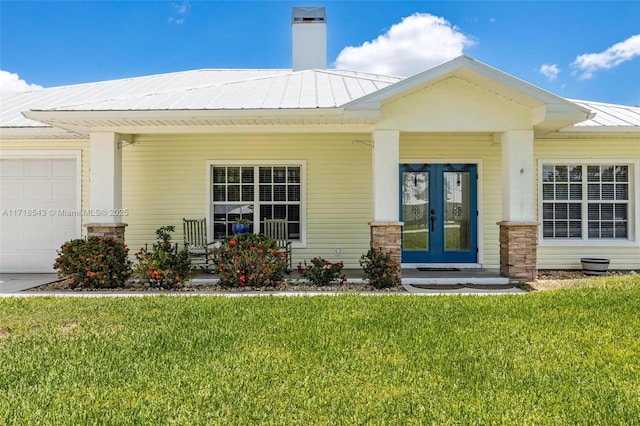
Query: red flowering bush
[[321, 271], [165, 266], [249, 260], [380, 268], [94, 262]]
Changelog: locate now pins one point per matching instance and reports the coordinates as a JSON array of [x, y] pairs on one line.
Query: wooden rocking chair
[[196, 242], [278, 229]]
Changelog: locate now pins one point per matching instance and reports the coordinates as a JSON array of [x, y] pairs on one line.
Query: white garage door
[[39, 211]]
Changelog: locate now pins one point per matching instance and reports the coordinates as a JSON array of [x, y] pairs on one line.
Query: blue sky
[[578, 49]]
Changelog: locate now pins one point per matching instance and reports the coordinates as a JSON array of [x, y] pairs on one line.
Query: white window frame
[[633, 237], [302, 243]]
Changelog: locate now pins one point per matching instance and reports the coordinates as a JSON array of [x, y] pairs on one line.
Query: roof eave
[[38, 132], [146, 121]]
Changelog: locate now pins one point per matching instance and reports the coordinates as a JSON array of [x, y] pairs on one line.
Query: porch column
[[105, 177], [519, 227], [386, 227]]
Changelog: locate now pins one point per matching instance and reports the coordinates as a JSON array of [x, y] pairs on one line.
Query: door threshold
[[442, 266]]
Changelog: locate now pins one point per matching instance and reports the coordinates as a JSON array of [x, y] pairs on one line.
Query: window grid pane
[[235, 188], [603, 195]]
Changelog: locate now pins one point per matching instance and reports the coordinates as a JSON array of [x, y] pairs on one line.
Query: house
[[461, 165]]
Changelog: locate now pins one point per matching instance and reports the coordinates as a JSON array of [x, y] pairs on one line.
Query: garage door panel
[[11, 262], [63, 190], [38, 261], [67, 222], [37, 168], [61, 235], [10, 168], [10, 223], [64, 168], [11, 190], [10, 239], [37, 189], [38, 223]]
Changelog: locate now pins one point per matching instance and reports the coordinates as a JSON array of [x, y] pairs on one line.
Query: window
[[585, 201], [256, 193]]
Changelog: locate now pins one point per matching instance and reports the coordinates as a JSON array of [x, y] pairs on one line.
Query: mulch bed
[[68, 286]]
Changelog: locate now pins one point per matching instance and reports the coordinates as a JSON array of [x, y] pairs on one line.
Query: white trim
[[634, 205], [303, 190], [479, 192]]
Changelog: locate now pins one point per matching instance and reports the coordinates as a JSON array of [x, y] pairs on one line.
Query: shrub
[[94, 262], [249, 260], [321, 271], [380, 268], [165, 266]]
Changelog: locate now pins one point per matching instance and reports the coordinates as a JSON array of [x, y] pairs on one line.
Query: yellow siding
[[453, 105], [467, 148], [58, 144], [164, 180], [568, 257]]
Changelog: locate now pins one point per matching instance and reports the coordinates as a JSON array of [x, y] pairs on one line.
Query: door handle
[[433, 221]]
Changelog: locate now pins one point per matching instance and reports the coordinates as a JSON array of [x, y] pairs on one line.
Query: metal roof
[[207, 89], [275, 90], [609, 115]]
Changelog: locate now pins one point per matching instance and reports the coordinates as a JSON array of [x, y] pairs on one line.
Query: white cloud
[[421, 41], [11, 82], [180, 9], [621, 52], [549, 71]]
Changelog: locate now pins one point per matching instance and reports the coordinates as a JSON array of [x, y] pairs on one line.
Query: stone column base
[[387, 236], [106, 230], [519, 250]]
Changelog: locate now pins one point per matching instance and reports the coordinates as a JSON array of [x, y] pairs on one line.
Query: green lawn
[[555, 357]]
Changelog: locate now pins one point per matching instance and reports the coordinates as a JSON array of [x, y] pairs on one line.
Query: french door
[[439, 211]]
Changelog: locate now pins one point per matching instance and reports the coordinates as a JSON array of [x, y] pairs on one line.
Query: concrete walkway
[[16, 284]]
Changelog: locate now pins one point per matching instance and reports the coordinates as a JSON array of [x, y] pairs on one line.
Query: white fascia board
[[45, 116], [39, 132], [561, 114], [567, 111]]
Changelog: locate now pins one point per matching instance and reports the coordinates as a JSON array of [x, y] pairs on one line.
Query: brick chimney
[[309, 31]]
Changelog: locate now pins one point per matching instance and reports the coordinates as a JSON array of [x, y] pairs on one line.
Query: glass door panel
[[415, 211], [456, 211]]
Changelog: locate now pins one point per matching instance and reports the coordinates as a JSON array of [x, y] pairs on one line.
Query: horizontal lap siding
[[164, 180], [568, 257], [55, 145], [467, 148]]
